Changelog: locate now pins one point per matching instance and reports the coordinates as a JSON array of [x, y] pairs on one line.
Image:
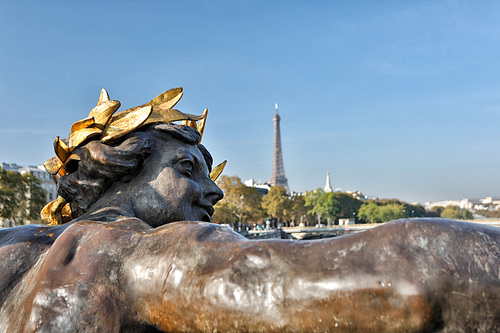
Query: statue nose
[[213, 193]]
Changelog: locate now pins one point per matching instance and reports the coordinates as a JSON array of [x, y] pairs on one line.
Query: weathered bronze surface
[[407, 276], [123, 264]]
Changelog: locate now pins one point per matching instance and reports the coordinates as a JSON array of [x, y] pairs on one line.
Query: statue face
[[174, 185]]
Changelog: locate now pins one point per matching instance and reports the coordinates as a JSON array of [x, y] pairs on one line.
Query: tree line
[[451, 212], [21, 197], [246, 205]]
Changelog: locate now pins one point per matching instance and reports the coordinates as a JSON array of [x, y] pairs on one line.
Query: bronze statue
[[121, 262]]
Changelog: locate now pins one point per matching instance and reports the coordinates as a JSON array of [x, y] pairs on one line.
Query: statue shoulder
[[199, 231], [20, 249]]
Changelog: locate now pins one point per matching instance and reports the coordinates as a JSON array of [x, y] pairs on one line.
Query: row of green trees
[[21, 197], [331, 205], [451, 212], [337, 205], [243, 204], [389, 209]]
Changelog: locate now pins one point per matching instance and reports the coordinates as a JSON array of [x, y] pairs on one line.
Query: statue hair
[[102, 164]]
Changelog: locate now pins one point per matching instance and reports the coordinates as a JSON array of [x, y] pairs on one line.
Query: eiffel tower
[[278, 176]]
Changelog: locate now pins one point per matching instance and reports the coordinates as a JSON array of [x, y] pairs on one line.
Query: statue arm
[[191, 276], [195, 277]]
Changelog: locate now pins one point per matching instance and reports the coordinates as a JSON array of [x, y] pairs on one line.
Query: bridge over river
[[298, 233], [307, 232]]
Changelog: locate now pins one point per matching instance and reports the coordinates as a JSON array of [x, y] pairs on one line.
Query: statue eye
[[185, 167]]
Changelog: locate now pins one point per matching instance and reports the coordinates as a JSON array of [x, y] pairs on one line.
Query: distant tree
[[21, 197], [437, 209], [277, 204], [224, 213], [451, 212], [383, 202], [467, 215], [332, 205], [387, 210], [413, 210], [409, 210], [37, 197], [299, 210], [434, 211], [456, 213], [489, 213], [348, 206], [390, 212], [312, 201], [241, 203], [8, 204], [431, 214], [368, 212], [12, 194]]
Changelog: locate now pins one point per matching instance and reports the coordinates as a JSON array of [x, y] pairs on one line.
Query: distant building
[[488, 203], [37, 171], [360, 196], [10, 166], [464, 204], [262, 187], [347, 220], [357, 195]]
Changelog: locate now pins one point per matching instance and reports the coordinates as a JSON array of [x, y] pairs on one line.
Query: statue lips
[[208, 212]]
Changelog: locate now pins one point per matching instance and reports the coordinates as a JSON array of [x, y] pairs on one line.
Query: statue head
[[156, 170]]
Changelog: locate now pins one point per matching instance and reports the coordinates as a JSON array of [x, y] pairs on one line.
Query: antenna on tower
[[276, 107]]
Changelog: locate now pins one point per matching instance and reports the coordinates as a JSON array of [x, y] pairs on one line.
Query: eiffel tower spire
[[278, 175]]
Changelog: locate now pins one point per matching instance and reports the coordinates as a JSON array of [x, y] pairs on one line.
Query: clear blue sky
[[395, 98]]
